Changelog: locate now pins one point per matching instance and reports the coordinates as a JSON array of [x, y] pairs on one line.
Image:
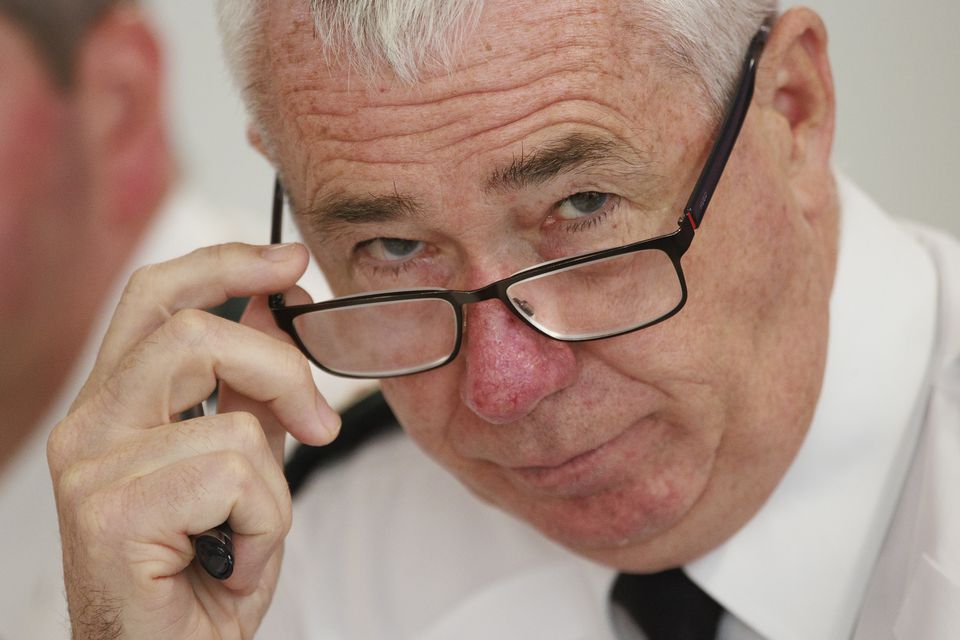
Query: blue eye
[[391, 249], [579, 205]]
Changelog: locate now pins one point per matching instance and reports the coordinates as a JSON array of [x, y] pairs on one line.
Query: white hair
[[707, 38]]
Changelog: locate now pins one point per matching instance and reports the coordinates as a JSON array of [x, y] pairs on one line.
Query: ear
[[796, 90], [119, 92], [255, 139]]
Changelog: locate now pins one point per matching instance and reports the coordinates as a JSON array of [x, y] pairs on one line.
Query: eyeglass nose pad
[[524, 306]]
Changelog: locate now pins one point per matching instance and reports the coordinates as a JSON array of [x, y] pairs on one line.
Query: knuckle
[[223, 250], [190, 326], [96, 516], [295, 364], [60, 445], [246, 431], [274, 520], [235, 468], [216, 252], [141, 281], [221, 254], [75, 481], [285, 506]]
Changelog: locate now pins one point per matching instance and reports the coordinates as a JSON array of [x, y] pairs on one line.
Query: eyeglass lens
[[592, 300]]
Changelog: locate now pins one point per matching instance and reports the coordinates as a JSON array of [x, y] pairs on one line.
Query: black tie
[[668, 605]]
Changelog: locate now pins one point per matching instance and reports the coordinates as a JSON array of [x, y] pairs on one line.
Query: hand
[[132, 484]]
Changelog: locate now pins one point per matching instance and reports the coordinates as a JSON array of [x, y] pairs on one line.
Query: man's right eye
[[390, 249]]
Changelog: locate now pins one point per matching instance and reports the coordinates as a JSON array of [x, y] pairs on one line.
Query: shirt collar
[[800, 567]]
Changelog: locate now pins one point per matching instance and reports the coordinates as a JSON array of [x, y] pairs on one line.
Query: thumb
[[258, 316]]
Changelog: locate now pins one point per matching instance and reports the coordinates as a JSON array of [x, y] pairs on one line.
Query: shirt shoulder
[[944, 250]]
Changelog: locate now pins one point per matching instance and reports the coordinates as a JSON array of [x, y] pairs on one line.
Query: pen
[[213, 548]]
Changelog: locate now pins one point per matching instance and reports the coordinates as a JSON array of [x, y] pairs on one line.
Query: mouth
[[582, 474]]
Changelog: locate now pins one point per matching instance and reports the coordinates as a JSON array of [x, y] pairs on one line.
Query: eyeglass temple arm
[[277, 219], [732, 123], [275, 300]]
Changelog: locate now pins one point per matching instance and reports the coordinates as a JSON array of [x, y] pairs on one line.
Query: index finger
[[201, 279]]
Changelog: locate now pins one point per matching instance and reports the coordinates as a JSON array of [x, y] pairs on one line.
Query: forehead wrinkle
[[313, 103], [302, 82], [567, 49], [316, 105], [457, 86], [577, 36], [451, 134]]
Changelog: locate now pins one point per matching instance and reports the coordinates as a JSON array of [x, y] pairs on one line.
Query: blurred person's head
[[451, 144], [84, 163]]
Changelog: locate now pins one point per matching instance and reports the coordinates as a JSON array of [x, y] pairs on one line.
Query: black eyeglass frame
[[674, 244]]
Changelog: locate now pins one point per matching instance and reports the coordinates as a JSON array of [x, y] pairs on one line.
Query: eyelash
[[395, 270], [577, 226]]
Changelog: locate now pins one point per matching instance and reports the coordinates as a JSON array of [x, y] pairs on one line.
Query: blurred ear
[[119, 89], [796, 90]]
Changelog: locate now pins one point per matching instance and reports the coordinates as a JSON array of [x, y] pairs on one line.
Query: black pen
[[214, 547]]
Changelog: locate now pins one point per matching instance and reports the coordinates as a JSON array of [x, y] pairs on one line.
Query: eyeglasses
[[592, 296]]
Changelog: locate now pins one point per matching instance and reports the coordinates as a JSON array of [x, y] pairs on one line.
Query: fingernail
[[278, 252], [329, 418]]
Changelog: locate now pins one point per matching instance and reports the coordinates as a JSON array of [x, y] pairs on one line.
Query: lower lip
[[584, 474]]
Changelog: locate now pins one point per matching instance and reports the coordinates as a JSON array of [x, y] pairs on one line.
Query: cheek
[[30, 134], [650, 478], [31, 117], [425, 405]]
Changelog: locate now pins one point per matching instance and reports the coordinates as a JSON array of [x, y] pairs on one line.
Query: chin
[[602, 525], [599, 523]]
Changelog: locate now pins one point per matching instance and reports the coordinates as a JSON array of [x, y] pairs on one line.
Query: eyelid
[[607, 197], [611, 204], [381, 241]]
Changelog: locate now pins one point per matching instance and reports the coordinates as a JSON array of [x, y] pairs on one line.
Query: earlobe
[[119, 92]]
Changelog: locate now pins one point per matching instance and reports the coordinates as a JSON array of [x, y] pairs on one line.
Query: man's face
[[640, 451]]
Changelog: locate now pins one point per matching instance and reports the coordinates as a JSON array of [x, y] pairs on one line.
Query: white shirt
[[388, 545]]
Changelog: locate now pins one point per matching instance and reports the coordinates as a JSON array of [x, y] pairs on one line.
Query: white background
[[895, 66]]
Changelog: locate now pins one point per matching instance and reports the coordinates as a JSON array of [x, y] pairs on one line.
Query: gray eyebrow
[[577, 151], [338, 210]]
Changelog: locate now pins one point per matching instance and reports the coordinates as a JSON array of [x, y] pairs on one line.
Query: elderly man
[[515, 199]]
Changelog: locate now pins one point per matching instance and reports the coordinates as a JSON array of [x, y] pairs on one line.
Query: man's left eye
[[581, 204]]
